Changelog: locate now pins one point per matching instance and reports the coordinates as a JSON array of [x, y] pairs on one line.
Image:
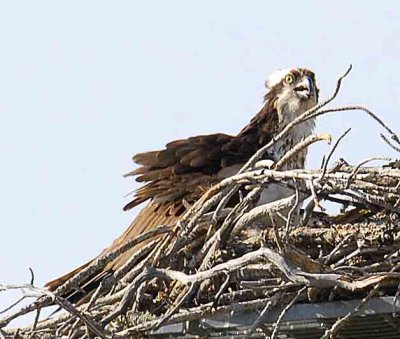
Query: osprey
[[177, 176]]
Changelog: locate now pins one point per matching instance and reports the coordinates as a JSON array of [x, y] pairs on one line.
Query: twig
[[301, 146], [292, 210], [327, 258], [221, 290], [332, 150], [277, 298], [196, 313], [12, 305], [389, 143], [284, 311], [32, 291], [32, 276], [261, 212], [178, 305], [354, 172], [103, 260], [342, 321], [393, 135], [278, 239]]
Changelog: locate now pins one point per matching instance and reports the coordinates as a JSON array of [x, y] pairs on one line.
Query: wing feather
[[177, 176]]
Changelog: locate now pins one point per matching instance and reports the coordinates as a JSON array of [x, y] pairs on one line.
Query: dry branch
[[219, 260]]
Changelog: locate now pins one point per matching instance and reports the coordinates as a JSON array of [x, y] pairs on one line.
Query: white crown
[[276, 77]]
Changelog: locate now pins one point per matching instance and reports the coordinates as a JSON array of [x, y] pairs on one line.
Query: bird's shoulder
[[185, 168]]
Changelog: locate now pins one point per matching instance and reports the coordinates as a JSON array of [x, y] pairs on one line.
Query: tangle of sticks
[[219, 260]]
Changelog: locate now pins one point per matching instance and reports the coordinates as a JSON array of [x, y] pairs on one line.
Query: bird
[[175, 177]]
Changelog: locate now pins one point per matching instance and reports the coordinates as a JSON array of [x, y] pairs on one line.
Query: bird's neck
[[295, 135]]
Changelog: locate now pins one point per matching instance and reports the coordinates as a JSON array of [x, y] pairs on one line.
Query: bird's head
[[293, 90]]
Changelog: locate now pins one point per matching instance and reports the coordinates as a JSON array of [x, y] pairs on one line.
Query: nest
[[220, 260]]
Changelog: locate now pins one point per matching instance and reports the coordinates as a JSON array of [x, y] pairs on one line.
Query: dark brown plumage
[[178, 175]]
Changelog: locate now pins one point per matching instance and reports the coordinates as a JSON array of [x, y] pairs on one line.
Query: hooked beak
[[305, 88]]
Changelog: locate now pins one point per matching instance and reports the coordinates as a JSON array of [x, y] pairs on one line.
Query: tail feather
[[147, 219], [54, 284]]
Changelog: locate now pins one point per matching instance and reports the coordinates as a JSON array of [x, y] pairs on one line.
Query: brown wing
[[166, 207], [178, 176], [169, 199], [181, 173]]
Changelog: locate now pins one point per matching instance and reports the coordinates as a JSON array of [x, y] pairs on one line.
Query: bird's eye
[[289, 79]]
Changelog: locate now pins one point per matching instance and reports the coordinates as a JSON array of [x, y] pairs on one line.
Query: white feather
[[277, 76], [289, 107]]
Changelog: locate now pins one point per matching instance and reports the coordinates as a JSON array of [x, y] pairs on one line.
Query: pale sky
[[84, 85]]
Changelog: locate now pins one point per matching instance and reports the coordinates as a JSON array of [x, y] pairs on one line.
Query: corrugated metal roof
[[303, 321]]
